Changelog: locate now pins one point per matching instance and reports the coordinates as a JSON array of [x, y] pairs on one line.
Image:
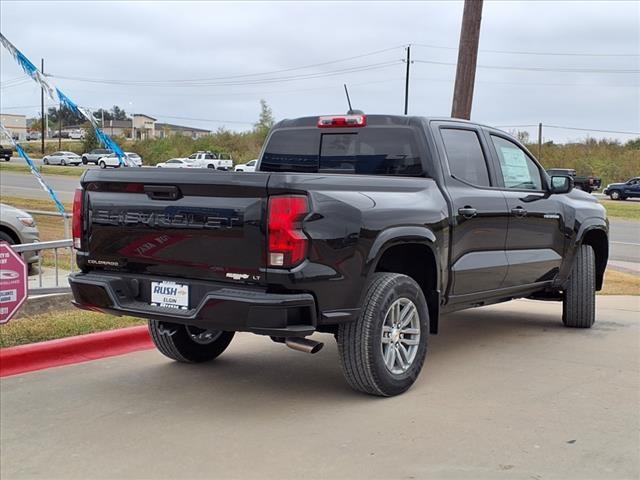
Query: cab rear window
[[367, 151]]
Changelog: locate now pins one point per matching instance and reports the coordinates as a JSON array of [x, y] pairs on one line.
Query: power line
[[229, 77], [569, 128], [540, 69], [290, 78], [514, 52], [591, 130]]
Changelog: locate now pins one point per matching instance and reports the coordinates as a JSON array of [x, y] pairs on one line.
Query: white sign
[[170, 294]]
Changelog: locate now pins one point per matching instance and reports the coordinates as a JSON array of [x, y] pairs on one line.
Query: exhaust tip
[[304, 345]]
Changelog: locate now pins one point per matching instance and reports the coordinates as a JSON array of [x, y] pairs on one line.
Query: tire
[[177, 342], [85, 161], [211, 166], [360, 343], [63, 163], [614, 195], [102, 164], [579, 300], [5, 237], [45, 161]]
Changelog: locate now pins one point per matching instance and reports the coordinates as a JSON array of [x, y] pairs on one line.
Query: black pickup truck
[[366, 227], [586, 183], [5, 153]]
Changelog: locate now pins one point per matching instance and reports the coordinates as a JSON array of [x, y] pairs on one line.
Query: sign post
[[13, 282]]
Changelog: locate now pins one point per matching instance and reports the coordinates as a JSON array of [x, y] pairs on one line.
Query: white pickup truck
[[218, 161]]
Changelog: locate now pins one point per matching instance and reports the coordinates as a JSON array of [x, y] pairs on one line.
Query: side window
[[251, 163], [465, 156], [518, 170]]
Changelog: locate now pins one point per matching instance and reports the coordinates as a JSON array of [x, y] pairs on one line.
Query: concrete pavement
[[506, 392]]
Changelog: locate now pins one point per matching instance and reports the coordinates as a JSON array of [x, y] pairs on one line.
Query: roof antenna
[[346, 91], [351, 110]]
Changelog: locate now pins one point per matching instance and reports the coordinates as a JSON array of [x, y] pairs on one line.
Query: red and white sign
[[13, 282]]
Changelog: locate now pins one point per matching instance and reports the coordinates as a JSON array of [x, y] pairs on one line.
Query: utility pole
[[42, 128], [540, 141], [406, 81], [467, 58]]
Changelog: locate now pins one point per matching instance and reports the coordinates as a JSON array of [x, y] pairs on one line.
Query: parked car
[[34, 136], [178, 163], [622, 191], [94, 155], [212, 160], [17, 226], [62, 158], [77, 134], [250, 166], [366, 227], [57, 134], [5, 153], [112, 160], [587, 183]]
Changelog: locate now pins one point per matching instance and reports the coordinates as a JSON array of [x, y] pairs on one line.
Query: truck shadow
[[257, 377]]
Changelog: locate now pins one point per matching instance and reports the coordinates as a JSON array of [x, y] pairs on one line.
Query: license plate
[[170, 294]]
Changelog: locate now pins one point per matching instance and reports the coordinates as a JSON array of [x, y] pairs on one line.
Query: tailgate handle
[[162, 192]]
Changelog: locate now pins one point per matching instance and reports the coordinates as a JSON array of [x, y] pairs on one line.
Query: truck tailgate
[[199, 224]]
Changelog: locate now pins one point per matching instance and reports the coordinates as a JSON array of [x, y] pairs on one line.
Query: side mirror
[[561, 184]]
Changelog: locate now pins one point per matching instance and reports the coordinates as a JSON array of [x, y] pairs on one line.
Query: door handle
[[468, 212], [519, 211]]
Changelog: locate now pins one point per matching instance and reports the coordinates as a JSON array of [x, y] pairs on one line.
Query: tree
[[90, 139], [265, 120], [68, 117], [116, 113]]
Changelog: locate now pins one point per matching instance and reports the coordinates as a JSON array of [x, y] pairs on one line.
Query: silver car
[[62, 158], [17, 226]]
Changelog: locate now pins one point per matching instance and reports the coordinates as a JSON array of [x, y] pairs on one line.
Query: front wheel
[[383, 351], [45, 161], [102, 164], [188, 344], [614, 195], [579, 300], [63, 163]]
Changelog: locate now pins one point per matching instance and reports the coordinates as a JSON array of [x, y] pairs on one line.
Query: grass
[[66, 323], [628, 210], [44, 169], [619, 283]]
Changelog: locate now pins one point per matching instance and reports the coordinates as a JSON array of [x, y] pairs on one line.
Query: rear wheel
[[579, 301], [84, 160], [102, 164], [45, 161], [383, 351], [211, 166], [186, 343], [63, 163]]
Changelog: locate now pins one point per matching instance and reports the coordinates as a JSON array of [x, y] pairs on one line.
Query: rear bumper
[[213, 305]]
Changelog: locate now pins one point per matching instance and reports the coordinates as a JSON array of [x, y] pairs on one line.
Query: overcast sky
[[145, 57]]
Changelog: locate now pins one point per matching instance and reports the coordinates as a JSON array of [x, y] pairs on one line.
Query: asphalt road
[[21, 185], [506, 392]]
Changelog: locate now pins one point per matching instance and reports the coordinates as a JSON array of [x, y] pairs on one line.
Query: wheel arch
[[410, 251], [10, 231], [596, 237]]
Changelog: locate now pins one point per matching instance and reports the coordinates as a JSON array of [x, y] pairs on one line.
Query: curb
[[67, 351]]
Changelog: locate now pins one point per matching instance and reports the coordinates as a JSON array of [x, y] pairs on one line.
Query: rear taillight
[[287, 242], [337, 121], [77, 219]]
